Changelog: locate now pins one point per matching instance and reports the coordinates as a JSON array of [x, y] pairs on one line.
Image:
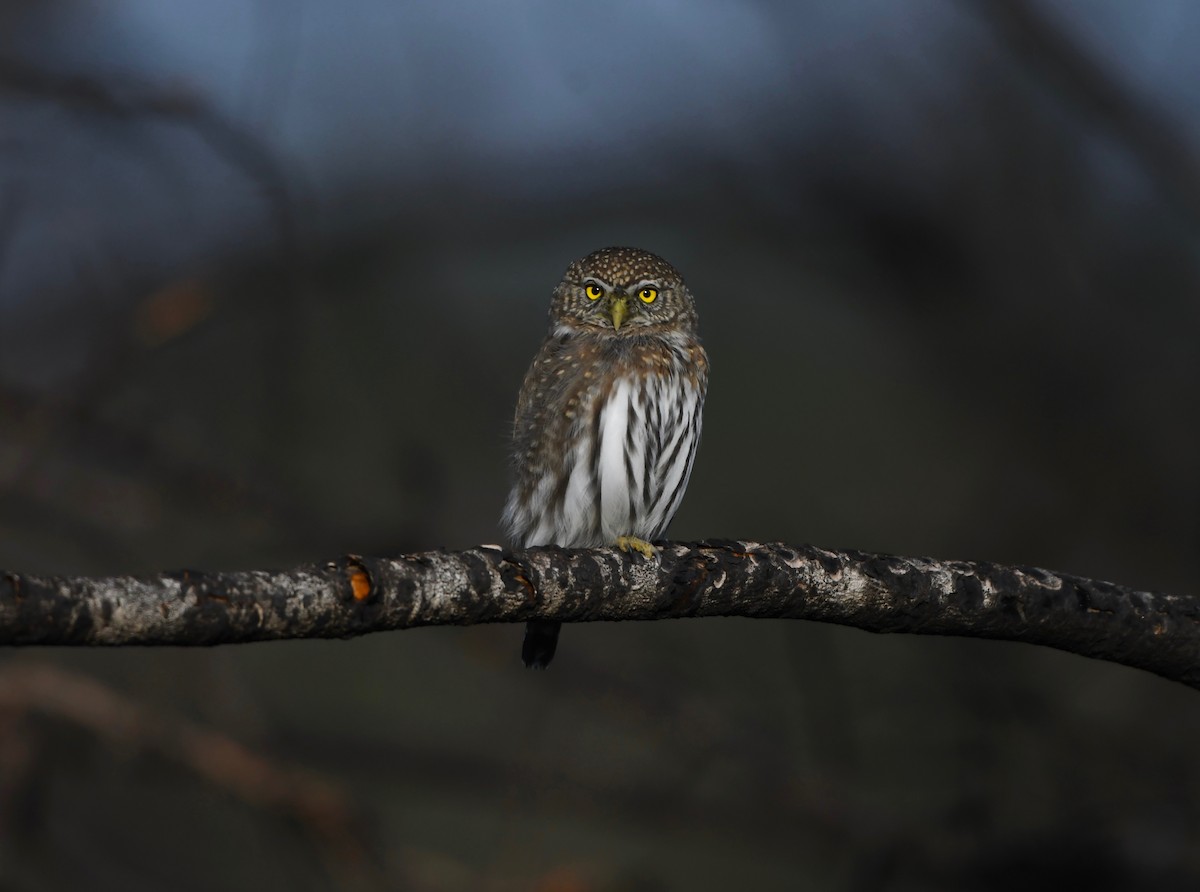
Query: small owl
[[608, 419]]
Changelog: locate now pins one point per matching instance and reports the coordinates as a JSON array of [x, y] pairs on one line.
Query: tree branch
[[1065, 63], [314, 803], [355, 595]]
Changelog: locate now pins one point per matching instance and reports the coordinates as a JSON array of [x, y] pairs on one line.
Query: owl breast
[[648, 433], [625, 462]]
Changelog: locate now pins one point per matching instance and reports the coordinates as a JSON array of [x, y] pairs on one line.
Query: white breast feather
[[671, 474], [614, 479], [573, 520], [577, 508]]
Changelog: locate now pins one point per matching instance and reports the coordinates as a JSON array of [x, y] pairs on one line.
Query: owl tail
[[541, 638]]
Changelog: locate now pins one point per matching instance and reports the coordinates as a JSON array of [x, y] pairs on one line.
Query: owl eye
[[648, 294], [594, 292]]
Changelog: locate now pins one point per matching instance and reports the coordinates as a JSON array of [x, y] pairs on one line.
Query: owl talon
[[626, 543]]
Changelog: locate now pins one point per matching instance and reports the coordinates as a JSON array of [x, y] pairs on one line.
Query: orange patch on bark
[[360, 584]]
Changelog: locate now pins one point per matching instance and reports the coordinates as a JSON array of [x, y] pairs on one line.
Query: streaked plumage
[[608, 419]]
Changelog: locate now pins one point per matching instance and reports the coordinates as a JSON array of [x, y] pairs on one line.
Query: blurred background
[[270, 275]]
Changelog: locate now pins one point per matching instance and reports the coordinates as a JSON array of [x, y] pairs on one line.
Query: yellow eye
[[648, 294], [594, 292]]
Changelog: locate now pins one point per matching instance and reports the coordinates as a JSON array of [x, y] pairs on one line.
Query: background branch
[[354, 595], [319, 807], [1092, 88]]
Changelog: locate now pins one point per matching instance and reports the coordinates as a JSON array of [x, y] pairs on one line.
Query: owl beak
[[618, 308]]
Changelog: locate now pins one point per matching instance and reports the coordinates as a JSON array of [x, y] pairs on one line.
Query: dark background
[[270, 274]]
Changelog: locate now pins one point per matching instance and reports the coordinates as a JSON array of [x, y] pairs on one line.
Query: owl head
[[623, 292]]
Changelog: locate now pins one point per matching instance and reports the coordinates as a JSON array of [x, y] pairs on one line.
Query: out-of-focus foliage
[[269, 278]]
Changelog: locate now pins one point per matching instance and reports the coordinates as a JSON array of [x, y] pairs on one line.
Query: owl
[[608, 418]]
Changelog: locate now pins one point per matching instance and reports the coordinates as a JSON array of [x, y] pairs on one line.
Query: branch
[[355, 595], [232, 144], [315, 804], [1083, 79]]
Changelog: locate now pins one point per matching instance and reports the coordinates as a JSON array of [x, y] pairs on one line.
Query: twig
[[314, 804], [232, 144], [1090, 86]]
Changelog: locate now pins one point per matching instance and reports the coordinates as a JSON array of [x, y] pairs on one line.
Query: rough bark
[[356, 595]]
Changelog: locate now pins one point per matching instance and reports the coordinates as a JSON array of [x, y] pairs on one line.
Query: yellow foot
[[625, 543]]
